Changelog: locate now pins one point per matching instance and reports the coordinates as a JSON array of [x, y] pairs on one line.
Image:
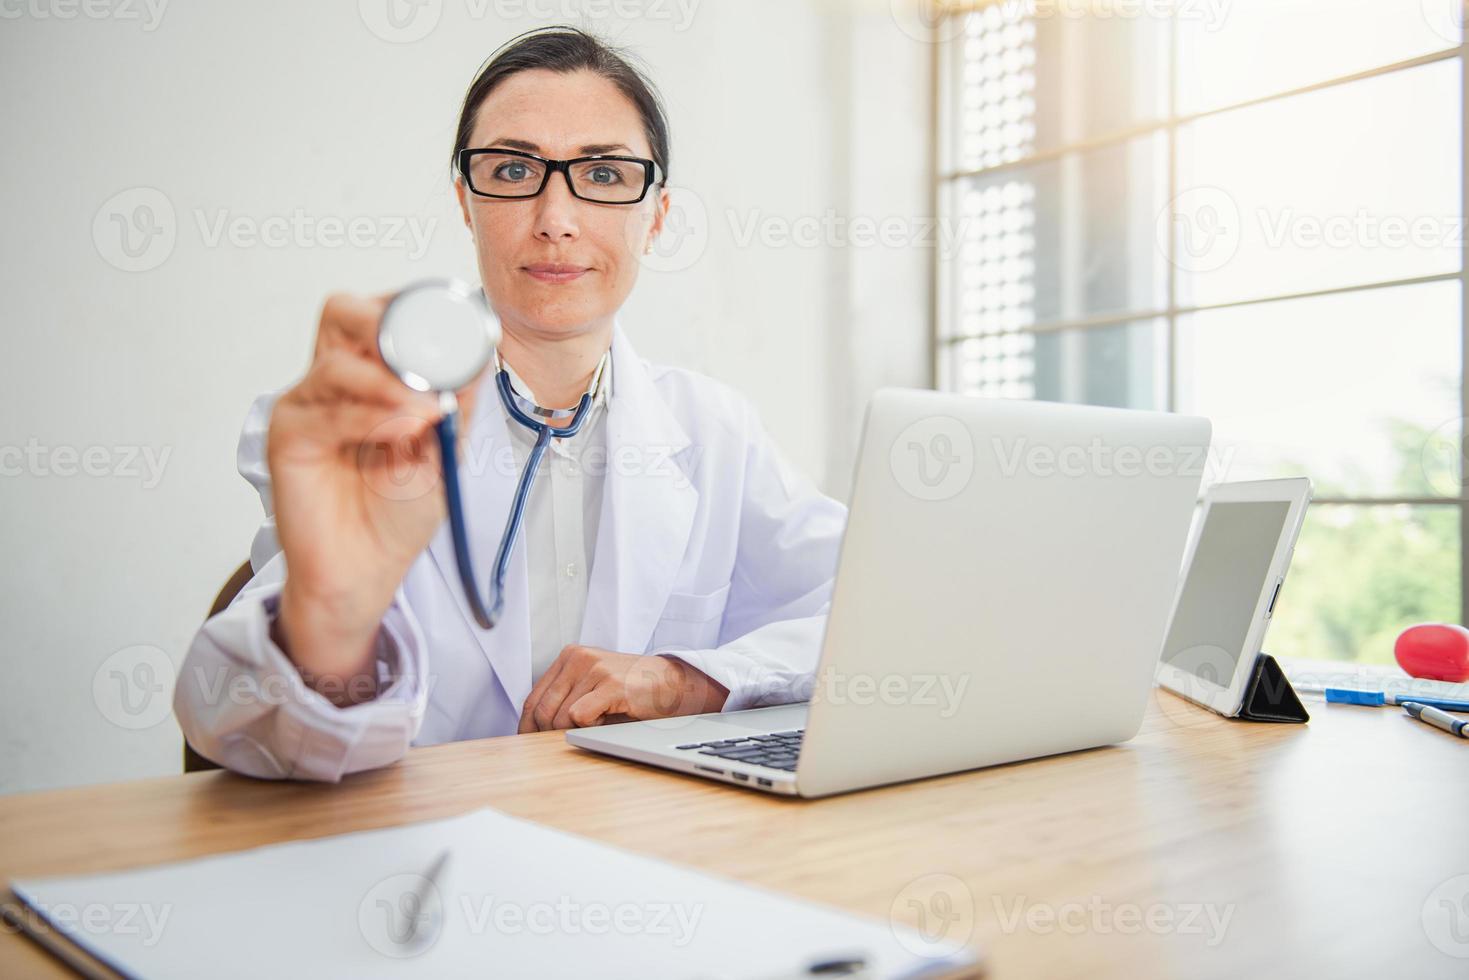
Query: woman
[[667, 525]]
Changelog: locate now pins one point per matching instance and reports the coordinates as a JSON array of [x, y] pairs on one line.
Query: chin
[[561, 317]]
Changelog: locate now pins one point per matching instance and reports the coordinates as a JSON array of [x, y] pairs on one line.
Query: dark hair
[[565, 50]]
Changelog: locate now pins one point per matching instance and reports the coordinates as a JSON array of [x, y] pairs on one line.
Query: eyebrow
[[591, 149]]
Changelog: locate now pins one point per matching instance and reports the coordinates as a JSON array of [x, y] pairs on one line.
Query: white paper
[[515, 899]]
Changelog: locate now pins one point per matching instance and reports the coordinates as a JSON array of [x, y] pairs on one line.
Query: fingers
[[342, 376], [350, 322], [579, 666], [577, 672], [593, 708], [533, 699], [587, 683]]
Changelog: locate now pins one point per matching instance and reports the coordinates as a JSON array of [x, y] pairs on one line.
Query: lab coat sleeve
[[241, 701], [780, 590]]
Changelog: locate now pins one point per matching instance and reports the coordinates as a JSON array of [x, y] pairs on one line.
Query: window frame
[[1169, 124]]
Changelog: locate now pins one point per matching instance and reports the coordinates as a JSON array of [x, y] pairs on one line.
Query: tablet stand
[[1269, 696]]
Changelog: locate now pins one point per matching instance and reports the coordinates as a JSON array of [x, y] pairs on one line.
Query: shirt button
[[571, 569]]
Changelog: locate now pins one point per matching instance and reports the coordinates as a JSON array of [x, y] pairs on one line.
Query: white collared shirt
[[562, 515]]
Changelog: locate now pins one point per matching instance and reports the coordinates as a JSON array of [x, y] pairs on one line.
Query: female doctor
[[670, 562]]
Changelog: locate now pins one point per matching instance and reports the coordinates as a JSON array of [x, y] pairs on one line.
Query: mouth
[[555, 272]]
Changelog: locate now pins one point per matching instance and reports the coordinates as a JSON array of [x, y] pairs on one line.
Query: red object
[[1434, 651]]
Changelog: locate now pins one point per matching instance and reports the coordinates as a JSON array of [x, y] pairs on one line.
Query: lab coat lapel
[[488, 475], [648, 506]]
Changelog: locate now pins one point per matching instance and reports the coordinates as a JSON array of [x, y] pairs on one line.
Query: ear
[[463, 193], [660, 214]]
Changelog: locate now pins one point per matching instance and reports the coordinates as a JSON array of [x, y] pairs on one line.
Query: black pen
[[1438, 719]]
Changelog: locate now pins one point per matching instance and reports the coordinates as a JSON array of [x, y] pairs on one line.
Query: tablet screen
[[1224, 582]]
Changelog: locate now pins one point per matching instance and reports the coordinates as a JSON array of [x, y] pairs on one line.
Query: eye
[[604, 174], [512, 171]]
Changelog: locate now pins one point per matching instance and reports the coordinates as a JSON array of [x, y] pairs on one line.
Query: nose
[[556, 212]]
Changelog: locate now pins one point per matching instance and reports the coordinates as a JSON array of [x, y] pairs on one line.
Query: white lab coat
[[710, 548]]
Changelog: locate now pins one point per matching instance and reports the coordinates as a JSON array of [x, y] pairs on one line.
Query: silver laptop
[[1002, 594]]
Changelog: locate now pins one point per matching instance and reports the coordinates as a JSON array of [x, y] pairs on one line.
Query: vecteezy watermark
[[394, 466], [933, 458], [1202, 228], [1200, 672], [1446, 916], [1447, 18], [1445, 453], [34, 459], [137, 229], [831, 230], [404, 915], [1204, 224], [407, 21], [396, 232], [1099, 458], [943, 692], [681, 241], [143, 919], [939, 21], [564, 916], [933, 916], [131, 688], [1098, 916], [148, 14]]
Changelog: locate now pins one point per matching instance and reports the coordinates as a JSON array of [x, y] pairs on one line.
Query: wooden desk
[[1321, 843]]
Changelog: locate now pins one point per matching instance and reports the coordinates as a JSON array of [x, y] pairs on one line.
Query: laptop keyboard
[[777, 750]]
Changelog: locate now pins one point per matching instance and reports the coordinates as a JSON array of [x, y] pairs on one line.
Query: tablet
[[1232, 574]]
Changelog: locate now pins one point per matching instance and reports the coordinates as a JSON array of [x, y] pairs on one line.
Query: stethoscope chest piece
[[438, 335]]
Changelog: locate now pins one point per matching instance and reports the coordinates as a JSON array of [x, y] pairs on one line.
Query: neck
[[559, 370]]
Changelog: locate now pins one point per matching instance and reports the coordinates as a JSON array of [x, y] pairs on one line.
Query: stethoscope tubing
[[447, 428]]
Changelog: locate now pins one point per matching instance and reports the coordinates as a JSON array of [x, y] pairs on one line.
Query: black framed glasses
[[513, 175]]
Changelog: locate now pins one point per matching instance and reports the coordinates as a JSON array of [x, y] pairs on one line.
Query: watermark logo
[[131, 688], [402, 916], [933, 459], [1204, 223], [1446, 917], [933, 916], [400, 21], [135, 230], [1447, 18], [926, 21], [683, 238], [1443, 458], [1205, 670]]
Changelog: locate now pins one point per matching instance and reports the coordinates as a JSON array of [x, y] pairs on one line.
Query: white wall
[[249, 111]]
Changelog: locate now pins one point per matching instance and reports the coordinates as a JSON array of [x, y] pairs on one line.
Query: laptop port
[[740, 776], [761, 780], [710, 769]]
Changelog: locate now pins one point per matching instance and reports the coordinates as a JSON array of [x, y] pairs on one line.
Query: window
[[1250, 210]]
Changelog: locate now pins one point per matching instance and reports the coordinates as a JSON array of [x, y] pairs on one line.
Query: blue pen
[[1339, 695], [1438, 719]]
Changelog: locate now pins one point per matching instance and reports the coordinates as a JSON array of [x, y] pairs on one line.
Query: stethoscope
[[438, 335]]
